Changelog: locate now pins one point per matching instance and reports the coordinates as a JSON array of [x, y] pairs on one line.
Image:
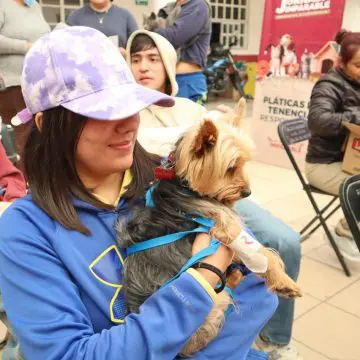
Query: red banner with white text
[[296, 48]]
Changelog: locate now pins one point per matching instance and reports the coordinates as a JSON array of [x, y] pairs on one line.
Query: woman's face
[[352, 68], [106, 147]]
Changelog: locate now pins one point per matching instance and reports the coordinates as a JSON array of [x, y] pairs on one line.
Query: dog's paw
[[234, 279], [287, 290], [281, 283]]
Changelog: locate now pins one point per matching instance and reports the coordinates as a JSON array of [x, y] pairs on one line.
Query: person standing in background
[[191, 33], [106, 17], [21, 24]]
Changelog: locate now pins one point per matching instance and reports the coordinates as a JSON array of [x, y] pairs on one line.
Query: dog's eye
[[231, 170]]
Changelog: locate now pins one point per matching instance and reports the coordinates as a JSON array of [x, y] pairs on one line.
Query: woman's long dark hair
[[49, 160]]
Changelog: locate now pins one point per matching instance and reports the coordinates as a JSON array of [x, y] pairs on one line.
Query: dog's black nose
[[245, 193]]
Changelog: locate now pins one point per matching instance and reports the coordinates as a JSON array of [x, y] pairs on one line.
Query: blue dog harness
[[205, 226]]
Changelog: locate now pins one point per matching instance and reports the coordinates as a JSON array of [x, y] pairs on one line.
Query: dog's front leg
[[263, 261], [245, 247]]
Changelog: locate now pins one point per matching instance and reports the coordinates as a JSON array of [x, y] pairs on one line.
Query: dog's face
[[211, 157]]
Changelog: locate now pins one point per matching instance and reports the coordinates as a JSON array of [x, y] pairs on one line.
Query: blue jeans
[[192, 86], [272, 232]]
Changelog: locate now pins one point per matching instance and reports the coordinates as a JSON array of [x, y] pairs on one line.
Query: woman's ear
[[38, 120]]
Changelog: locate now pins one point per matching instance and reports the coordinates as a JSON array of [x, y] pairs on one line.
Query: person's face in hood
[[148, 69]]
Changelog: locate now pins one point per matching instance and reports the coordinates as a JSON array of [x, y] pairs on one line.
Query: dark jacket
[[335, 98]]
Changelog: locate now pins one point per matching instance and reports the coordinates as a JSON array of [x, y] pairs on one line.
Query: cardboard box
[[351, 162]]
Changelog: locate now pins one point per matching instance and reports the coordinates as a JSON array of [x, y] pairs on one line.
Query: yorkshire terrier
[[203, 177]]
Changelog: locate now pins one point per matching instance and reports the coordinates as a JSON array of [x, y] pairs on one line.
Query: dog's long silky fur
[[144, 272]]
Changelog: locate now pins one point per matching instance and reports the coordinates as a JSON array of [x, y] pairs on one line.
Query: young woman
[[60, 266], [335, 98]]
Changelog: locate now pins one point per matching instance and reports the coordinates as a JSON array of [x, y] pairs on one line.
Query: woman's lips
[[124, 145]]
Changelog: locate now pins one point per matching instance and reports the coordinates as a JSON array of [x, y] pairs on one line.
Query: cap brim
[[118, 102], [22, 117]]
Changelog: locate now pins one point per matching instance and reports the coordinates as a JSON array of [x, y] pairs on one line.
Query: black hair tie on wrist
[[221, 275]]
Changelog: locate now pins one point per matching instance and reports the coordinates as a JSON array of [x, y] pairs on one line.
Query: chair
[[8, 140], [292, 132], [350, 203]]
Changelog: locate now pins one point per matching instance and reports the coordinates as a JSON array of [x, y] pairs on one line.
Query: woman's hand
[[221, 259]]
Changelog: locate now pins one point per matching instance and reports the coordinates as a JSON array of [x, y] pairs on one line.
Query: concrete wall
[[255, 20], [137, 10], [351, 15]]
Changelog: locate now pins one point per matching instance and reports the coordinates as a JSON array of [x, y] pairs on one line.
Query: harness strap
[[205, 226], [162, 240]]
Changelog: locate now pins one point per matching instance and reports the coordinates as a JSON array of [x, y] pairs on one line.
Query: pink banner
[[297, 37], [297, 47]]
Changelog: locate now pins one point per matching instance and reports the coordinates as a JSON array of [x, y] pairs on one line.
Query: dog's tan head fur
[[211, 157]]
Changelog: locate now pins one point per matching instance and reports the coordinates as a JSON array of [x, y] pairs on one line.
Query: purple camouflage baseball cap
[[81, 70]]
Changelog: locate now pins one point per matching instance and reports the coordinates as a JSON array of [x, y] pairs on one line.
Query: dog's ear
[[206, 137], [240, 109], [152, 16]]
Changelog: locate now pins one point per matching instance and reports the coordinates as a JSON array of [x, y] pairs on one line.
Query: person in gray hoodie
[[191, 33]]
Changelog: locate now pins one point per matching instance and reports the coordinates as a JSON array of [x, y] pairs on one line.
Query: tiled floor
[[327, 324], [327, 318]]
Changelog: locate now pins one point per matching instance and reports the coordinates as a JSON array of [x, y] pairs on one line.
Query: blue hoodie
[[63, 294]]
